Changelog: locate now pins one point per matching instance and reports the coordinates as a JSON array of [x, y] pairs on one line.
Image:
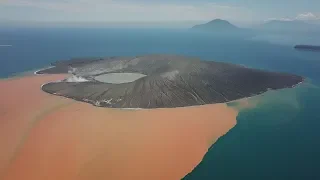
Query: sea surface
[[276, 138]]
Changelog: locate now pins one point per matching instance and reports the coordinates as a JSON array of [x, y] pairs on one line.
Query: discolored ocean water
[[276, 138]]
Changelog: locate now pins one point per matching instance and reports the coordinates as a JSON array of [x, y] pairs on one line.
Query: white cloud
[[111, 10], [279, 19], [307, 16]]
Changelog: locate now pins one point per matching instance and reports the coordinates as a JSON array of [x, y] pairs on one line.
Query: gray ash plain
[[160, 81]]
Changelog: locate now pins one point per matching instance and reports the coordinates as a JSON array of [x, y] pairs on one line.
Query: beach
[[44, 136]]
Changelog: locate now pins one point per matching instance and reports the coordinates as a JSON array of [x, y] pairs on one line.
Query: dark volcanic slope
[[171, 81]]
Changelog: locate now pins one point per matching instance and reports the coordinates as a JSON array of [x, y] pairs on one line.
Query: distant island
[[160, 81], [289, 26], [222, 28], [216, 25], [307, 47]]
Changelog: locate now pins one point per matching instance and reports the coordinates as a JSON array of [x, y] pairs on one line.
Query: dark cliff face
[[170, 81]]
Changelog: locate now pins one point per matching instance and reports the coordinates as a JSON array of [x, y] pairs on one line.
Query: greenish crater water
[[119, 78]]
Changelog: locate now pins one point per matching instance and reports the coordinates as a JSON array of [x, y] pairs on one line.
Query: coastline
[[36, 72]]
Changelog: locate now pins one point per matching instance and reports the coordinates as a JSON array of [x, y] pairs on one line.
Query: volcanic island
[[119, 118], [161, 81]]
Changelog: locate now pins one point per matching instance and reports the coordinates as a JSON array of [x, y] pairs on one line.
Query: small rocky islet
[[160, 81]]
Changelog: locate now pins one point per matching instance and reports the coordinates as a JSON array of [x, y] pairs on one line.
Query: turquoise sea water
[[277, 139]]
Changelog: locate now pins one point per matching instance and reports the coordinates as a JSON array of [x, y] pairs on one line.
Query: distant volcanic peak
[[220, 21], [218, 25], [163, 81]]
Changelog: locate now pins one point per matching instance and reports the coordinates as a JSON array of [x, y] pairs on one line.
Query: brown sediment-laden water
[[43, 136]]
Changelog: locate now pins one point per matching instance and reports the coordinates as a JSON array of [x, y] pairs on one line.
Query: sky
[[110, 11]]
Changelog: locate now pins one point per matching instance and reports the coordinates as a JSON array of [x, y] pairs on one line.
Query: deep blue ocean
[[278, 139]]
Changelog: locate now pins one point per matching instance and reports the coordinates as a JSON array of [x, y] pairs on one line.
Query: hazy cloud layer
[[124, 11], [308, 16], [111, 10]]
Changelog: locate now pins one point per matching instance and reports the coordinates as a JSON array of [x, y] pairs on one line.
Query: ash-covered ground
[[161, 81]]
